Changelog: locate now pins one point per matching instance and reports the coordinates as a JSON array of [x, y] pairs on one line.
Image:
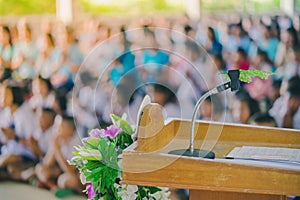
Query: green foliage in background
[[26, 7], [245, 6], [132, 7], [271, 5], [140, 7]]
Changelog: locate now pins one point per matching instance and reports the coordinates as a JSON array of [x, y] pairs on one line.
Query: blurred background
[[172, 50]]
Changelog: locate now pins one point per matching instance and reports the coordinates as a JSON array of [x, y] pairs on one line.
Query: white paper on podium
[[286, 155]]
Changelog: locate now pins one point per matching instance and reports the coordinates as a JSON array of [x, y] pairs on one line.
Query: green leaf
[[153, 190], [246, 75], [92, 142], [121, 123]]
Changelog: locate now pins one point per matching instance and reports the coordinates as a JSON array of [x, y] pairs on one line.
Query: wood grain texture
[[150, 128], [170, 171], [147, 161], [204, 195]]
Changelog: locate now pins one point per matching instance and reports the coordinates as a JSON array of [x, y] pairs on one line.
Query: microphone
[[234, 76], [234, 84]]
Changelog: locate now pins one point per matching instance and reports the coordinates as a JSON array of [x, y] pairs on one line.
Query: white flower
[[127, 192], [82, 178], [164, 194], [132, 188]]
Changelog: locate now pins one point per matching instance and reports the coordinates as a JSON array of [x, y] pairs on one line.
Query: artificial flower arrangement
[[98, 160]]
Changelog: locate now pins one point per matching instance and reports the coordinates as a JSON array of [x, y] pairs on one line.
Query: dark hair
[[187, 28], [294, 89], [47, 81], [263, 54], [242, 52], [51, 39], [171, 97], [243, 95], [292, 31], [7, 30], [263, 118], [123, 29], [294, 86], [61, 100], [219, 58], [17, 94], [212, 31], [69, 119], [49, 111], [276, 84]]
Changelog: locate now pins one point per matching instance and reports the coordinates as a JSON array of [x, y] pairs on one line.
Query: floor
[[16, 191]]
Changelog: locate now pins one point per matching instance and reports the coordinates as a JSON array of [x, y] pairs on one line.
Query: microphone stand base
[[197, 153]]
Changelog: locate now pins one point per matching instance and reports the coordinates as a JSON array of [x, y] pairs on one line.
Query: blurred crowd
[[57, 82]]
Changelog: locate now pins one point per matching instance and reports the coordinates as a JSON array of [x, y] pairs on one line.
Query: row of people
[[35, 146]]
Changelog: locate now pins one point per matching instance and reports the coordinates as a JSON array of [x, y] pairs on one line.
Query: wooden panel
[[152, 134], [209, 195], [220, 138], [237, 132], [171, 171]]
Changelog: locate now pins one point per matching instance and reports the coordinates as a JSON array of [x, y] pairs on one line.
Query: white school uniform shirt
[[5, 117], [171, 110], [187, 95], [279, 109], [44, 138], [24, 121], [5, 121], [292, 69], [24, 124], [37, 101], [68, 147]]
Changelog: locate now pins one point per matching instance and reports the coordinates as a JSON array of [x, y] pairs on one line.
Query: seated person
[[213, 109], [39, 142], [60, 104], [243, 107], [43, 95], [286, 109], [15, 154], [166, 98], [54, 172], [263, 119]]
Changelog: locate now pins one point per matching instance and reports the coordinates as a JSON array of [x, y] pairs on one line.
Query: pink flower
[[90, 191], [111, 132], [95, 133]]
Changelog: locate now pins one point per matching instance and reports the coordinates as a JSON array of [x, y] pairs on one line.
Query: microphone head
[[234, 76]]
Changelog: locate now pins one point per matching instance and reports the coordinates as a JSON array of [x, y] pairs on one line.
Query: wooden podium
[[147, 162]]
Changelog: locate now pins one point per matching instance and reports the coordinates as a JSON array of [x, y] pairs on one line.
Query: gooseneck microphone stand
[[192, 152]]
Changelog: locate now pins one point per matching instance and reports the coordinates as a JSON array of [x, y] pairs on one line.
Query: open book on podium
[[148, 162], [269, 154]]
